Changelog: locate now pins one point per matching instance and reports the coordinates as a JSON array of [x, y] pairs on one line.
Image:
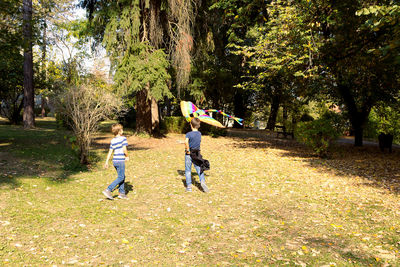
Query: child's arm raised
[[108, 158]]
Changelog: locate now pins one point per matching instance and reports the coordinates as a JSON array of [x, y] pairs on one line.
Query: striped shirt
[[117, 144]]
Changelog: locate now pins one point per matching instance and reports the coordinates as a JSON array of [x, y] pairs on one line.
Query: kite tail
[[238, 120]]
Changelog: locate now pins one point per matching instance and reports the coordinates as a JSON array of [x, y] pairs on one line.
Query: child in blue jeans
[[192, 155], [118, 146]]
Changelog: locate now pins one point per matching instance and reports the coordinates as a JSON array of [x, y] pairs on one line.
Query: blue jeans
[[188, 171], [120, 167]]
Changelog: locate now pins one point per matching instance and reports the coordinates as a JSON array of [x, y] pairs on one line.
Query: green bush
[[318, 134], [212, 131], [180, 125], [174, 125], [128, 119], [383, 119], [371, 127], [306, 117], [38, 111], [337, 120], [63, 121]]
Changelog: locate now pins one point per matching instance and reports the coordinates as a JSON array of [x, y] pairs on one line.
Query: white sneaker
[[204, 186], [107, 193]]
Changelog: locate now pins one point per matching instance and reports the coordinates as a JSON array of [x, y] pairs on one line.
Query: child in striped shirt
[[118, 146]]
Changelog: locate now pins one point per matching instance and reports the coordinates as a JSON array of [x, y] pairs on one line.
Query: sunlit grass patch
[[269, 205]]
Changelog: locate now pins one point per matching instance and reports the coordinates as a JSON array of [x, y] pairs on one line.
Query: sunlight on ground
[[271, 203]]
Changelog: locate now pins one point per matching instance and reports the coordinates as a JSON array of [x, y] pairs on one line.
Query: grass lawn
[[271, 203]]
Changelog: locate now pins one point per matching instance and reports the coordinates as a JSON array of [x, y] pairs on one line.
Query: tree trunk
[[15, 116], [155, 119], [43, 106], [357, 117], [276, 100], [285, 113], [168, 106], [143, 115], [44, 64], [29, 95], [358, 135]]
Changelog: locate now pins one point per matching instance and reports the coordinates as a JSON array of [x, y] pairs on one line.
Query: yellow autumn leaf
[[125, 241]]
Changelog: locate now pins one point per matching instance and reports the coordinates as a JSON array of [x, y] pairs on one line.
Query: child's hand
[[106, 165], [127, 158]]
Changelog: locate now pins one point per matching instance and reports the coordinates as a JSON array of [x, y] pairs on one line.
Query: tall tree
[[230, 21], [48, 14], [279, 57], [29, 95], [11, 60], [357, 78], [143, 38]]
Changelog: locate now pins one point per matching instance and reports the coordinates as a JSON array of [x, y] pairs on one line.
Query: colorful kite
[[189, 111]]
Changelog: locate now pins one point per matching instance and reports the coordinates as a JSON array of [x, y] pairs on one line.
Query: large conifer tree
[[143, 37]]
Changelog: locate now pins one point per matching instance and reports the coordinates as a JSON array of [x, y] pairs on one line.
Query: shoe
[[189, 189], [122, 196], [107, 193], [204, 186]]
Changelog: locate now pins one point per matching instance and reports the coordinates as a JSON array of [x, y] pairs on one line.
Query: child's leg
[[201, 176], [120, 167], [121, 188], [188, 170]]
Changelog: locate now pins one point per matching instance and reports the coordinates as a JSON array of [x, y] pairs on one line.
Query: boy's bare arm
[[108, 158], [187, 149]]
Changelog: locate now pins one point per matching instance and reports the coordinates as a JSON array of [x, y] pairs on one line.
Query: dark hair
[[195, 122]]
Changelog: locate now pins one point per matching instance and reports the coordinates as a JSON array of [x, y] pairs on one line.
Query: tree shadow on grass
[[341, 247], [380, 170], [103, 143], [42, 152], [293, 235]]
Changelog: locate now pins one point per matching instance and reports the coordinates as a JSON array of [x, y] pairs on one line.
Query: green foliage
[[213, 131], [318, 134], [384, 119], [337, 120], [128, 119], [384, 19], [138, 64], [143, 67], [174, 125], [284, 46], [11, 60], [63, 121], [179, 124], [72, 141], [306, 117]]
